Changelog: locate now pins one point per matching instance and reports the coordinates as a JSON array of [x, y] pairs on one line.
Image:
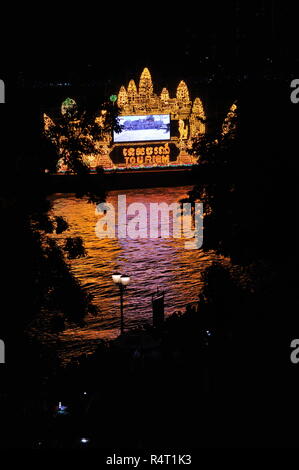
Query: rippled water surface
[[151, 263]]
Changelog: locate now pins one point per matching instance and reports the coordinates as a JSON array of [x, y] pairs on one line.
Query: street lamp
[[122, 281]]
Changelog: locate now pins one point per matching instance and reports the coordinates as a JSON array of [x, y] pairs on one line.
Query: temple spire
[[145, 84], [164, 95], [182, 92], [122, 97], [132, 91]]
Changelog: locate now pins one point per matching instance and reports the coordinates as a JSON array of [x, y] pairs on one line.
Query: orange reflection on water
[[151, 263]]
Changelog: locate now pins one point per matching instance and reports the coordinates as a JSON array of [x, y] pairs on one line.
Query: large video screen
[[143, 128]]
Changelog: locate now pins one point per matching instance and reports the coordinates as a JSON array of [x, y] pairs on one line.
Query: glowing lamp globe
[[116, 278], [125, 280]]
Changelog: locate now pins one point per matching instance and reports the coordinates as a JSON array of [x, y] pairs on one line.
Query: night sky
[[178, 42]]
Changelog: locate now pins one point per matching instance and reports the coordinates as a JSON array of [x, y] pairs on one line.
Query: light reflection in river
[[163, 263]]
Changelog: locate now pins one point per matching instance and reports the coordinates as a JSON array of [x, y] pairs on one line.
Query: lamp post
[[122, 281]]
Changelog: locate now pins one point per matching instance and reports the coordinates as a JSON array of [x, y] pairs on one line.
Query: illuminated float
[[157, 130]]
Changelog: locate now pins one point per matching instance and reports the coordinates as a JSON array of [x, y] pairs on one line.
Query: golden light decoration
[[48, 123], [164, 95], [198, 117], [187, 120], [145, 84], [122, 97], [182, 92], [132, 91], [229, 125], [69, 106]]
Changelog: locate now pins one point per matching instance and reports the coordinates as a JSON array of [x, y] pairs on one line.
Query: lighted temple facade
[[158, 128]]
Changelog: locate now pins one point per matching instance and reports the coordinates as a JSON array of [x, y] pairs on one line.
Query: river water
[[151, 263]]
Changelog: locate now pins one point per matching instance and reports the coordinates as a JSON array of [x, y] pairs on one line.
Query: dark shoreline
[[149, 178], [126, 179]]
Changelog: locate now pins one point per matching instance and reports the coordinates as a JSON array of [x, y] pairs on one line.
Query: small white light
[[125, 280], [84, 440], [116, 278]]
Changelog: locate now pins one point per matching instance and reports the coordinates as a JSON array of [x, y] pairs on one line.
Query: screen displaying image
[[143, 128]]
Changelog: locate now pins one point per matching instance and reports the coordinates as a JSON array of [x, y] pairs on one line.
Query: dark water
[[151, 263]]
